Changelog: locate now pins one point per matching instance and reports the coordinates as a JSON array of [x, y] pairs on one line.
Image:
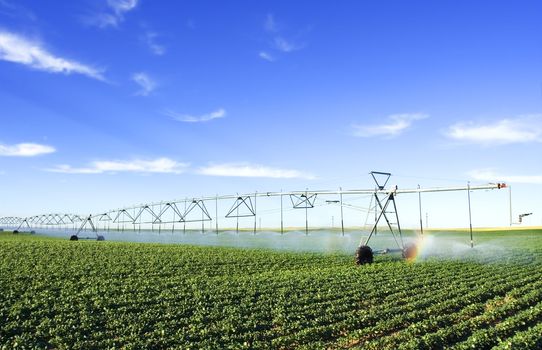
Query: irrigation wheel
[[410, 251], [74, 238], [364, 255]]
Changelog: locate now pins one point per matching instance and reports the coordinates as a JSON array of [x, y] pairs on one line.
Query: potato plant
[[57, 294]]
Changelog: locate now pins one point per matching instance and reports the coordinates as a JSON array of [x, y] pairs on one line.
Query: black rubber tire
[[410, 251], [100, 238], [15, 231], [32, 232], [74, 238], [364, 255]]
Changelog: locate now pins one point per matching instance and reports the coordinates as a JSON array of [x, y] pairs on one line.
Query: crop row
[[82, 295]]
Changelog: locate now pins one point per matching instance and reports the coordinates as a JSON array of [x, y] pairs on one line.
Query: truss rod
[[58, 219], [490, 186]]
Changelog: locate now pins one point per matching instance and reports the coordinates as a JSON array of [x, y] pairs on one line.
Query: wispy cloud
[[270, 25], [396, 125], [115, 14], [159, 165], [280, 43], [17, 49], [25, 150], [266, 56], [491, 176], [149, 39], [251, 170], [522, 129], [219, 113], [122, 6], [12, 9], [286, 45], [102, 20], [146, 83]]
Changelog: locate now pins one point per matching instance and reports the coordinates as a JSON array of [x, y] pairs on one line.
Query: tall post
[[255, 195], [342, 217], [216, 213], [470, 216], [376, 214], [173, 221], [397, 219], [140, 215], [306, 213], [420, 206], [281, 215], [160, 221], [139, 222], [133, 222], [202, 221], [184, 214]]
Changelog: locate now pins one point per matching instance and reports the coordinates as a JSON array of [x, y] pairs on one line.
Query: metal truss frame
[[23, 222], [244, 205], [11, 220], [382, 209], [303, 201], [197, 203], [104, 217], [88, 220], [124, 212], [149, 210], [241, 202], [175, 209]]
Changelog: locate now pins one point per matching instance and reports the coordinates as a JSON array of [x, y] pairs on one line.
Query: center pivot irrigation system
[[195, 210], [384, 198]]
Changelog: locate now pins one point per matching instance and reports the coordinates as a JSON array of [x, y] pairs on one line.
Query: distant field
[[87, 295]]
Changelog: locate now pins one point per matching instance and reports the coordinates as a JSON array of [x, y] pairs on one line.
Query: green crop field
[[57, 294]]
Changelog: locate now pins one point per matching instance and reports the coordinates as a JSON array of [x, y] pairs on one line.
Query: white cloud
[[159, 165], [149, 38], [219, 113], [397, 124], [266, 56], [145, 82], [103, 20], [68, 169], [122, 6], [279, 41], [517, 130], [15, 10], [491, 176], [17, 49], [270, 25], [118, 9], [25, 150], [251, 170], [286, 45]]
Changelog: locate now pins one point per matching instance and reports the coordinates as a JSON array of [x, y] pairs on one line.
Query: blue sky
[[106, 103]]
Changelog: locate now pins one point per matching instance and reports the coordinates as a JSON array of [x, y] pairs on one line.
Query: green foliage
[[87, 295]]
